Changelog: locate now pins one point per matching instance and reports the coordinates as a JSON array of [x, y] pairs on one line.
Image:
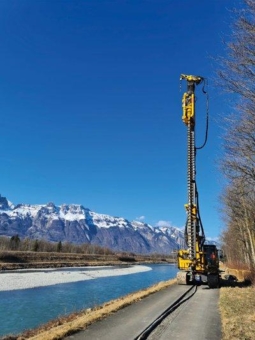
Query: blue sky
[[90, 105]]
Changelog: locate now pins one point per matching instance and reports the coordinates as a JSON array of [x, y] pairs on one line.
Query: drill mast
[[193, 221], [199, 262]]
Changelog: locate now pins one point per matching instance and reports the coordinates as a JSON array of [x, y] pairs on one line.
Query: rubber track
[[146, 332]]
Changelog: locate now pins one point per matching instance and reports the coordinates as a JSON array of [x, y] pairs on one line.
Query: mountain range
[[75, 224]]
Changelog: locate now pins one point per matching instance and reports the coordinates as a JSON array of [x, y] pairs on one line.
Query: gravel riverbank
[[23, 279]]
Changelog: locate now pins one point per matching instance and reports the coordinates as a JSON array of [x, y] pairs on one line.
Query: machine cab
[[211, 255]]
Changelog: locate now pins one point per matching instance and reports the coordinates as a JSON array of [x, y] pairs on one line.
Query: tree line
[[237, 75], [15, 243]]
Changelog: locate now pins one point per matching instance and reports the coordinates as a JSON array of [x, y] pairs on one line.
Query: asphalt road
[[196, 319]]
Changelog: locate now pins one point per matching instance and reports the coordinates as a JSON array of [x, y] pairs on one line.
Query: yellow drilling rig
[[199, 262]]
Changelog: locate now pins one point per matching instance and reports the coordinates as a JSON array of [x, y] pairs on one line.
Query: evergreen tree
[[59, 247], [36, 245], [14, 242]]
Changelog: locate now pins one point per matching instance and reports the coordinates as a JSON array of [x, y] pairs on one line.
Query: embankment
[[28, 259]]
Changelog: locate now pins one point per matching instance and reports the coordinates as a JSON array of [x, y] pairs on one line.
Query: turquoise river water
[[28, 308]]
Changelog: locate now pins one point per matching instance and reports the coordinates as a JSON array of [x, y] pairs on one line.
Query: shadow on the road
[[231, 281]]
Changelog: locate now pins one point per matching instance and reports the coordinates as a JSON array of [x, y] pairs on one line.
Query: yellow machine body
[[197, 264]]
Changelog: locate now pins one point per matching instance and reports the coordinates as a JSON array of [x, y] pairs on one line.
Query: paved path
[[197, 319]]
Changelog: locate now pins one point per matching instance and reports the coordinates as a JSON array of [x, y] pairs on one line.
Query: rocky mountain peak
[[4, 203], [75, 224]]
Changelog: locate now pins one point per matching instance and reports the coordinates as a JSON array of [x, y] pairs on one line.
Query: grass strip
[[237, 307]]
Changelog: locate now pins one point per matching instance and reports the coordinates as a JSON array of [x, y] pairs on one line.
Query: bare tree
[[238, 164], [239, 215]]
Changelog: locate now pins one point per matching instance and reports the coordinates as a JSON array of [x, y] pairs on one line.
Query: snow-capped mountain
[[75, 224]]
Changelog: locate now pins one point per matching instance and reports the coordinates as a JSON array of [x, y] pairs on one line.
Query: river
[[28, 308]]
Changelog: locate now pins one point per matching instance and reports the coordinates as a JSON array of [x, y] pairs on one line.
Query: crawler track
[[184, 297]]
